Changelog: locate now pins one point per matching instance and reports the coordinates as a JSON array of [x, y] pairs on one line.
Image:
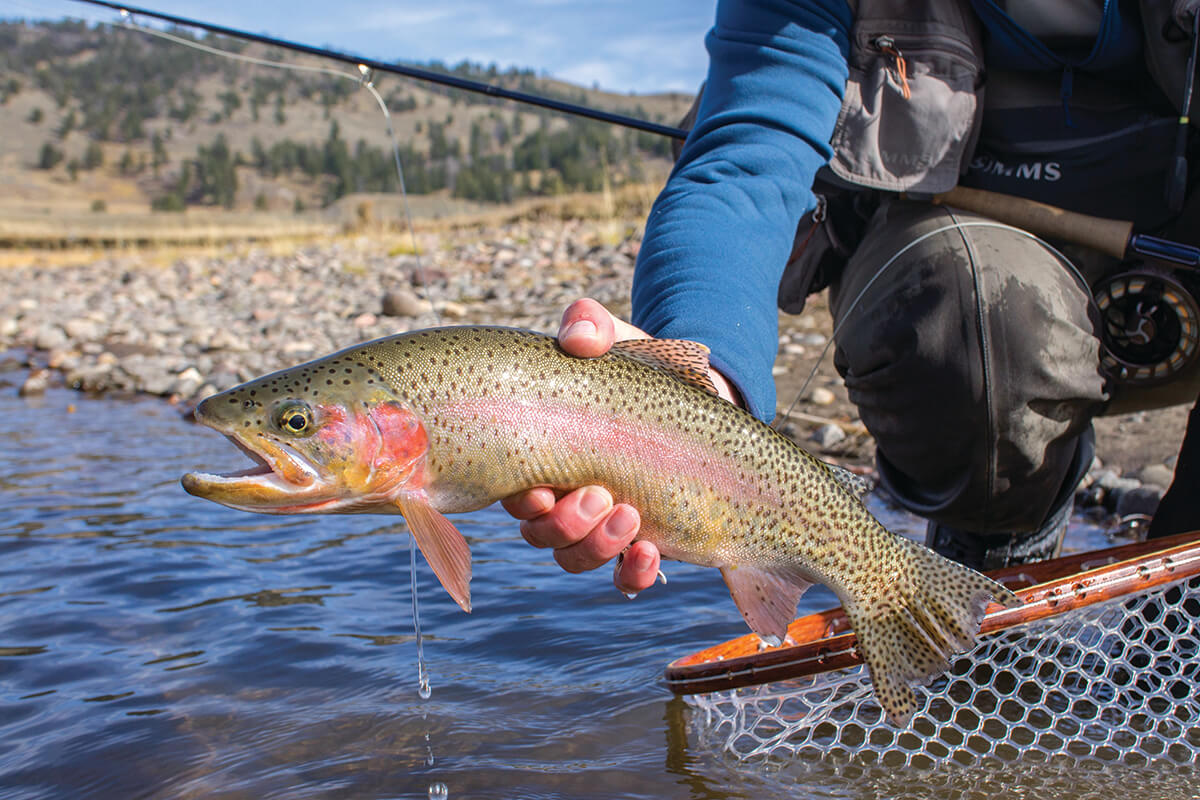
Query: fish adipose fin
[[442, 545], [766, 599], [909, 629], [685, 360]]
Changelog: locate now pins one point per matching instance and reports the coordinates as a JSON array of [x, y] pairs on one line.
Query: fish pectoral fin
[[442, 545], [685, 360], [767, 599]]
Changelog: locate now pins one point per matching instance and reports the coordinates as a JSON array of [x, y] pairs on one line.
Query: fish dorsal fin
[[442, 545], [858, 485], [766, 599], [683, 359]]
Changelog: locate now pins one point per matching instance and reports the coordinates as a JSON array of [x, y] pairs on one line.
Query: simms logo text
[[1027, 171]]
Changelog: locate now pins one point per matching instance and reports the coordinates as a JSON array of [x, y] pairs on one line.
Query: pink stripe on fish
[[548, 428]]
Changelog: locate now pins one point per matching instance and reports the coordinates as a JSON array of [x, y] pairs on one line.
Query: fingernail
[[594, 503], [621, 524], [582, 327]]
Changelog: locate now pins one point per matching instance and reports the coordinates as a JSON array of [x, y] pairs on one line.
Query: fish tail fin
[[909, 628]]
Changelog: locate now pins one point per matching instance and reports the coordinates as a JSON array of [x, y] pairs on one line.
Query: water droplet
[[630, 595], [423, 689], [438, 791]]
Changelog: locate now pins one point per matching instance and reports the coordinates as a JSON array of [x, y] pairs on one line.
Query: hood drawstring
[[1176, 189], [1065, 89]]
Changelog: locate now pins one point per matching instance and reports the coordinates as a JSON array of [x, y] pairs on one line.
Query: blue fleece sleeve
[[720, 233]]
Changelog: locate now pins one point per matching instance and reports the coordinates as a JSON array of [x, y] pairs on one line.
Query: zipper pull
[[887, 46]]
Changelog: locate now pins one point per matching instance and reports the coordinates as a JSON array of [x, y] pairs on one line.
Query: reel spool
[[1150, 326]]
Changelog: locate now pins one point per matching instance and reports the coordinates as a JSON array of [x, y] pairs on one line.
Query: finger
[[586, 329], [529, 504], [638, 569], [570, 520], [604, 543]]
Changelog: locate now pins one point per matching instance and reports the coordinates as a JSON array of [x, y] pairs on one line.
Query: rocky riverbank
[[186, 327]]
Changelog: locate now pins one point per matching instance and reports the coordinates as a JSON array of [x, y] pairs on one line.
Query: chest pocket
[[913, 102]]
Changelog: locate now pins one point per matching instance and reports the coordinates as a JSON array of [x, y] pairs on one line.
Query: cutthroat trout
[[449, 420]]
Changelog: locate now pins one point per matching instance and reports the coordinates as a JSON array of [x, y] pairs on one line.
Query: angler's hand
[[584, 527]]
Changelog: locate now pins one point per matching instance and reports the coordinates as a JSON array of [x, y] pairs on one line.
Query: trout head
[[325, 438]]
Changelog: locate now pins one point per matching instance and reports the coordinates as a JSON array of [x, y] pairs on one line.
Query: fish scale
[[453, 419]]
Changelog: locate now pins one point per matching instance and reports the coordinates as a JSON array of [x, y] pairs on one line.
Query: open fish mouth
[[279, 473]]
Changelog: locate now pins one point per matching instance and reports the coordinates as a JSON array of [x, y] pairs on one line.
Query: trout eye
[[294, 418]]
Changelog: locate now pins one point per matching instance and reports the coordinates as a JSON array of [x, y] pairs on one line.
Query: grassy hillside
[[104, 119]]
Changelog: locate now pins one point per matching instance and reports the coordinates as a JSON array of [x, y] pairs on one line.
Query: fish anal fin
[[767, 599], [683, 359], [442, 545]]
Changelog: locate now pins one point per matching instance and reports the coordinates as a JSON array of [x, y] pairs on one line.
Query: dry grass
[[71, 238]]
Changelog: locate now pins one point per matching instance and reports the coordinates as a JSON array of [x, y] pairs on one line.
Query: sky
[[640, 46]]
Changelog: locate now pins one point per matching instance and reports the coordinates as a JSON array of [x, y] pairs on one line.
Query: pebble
[[822, 397], [829, 435], [812, 339], [128, 325], [1157, 475], [1124, 496], [1142, 500], [404, 303], [36, 384], [453, 310]]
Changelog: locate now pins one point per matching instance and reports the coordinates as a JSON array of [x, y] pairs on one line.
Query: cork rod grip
[[1109, 236]]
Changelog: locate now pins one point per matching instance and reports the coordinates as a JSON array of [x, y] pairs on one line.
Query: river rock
[[812, 339], [453, 310], [50, 337], [1142, 500], [188, 382], [829, 435], [36, 384], [83, 330], [822, 397], [404, 303], [91, 378], [1110, 481], [1157, 475]]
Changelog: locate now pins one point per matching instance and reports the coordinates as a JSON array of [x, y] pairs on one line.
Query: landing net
[[1100, 670]]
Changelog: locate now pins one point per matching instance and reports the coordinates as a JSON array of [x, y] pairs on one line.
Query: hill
[[112, 119]]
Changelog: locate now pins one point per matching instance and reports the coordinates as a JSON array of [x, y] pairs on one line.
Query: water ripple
[[154, 645]]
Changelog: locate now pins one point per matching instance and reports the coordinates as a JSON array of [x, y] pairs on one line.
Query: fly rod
[[1113, 237], [405, 70]]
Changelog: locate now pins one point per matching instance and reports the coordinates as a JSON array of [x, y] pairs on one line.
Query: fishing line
[[943, 229], [402, 69], [363, 79]]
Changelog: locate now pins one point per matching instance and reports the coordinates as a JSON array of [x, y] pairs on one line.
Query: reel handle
[[1110, 236]]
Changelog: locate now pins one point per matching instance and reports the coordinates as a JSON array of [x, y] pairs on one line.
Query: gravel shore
[[198, 324]]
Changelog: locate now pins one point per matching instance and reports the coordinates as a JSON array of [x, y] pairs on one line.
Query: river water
[[156, 645]]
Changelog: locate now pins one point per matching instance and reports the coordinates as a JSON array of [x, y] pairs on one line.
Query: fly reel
[[1150, 326]]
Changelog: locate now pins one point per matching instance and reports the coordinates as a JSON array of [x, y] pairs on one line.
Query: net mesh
[[1110, 686]]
